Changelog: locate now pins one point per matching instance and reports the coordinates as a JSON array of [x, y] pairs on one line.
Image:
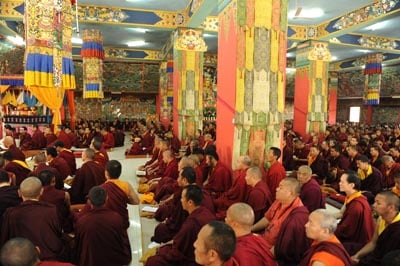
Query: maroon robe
[[219, 180], [260, 199], [16, 153], [89, 175], [108, 141], [311, 196], [86, 140], [389, 174], [73, 139], [38, 140], [44, 166], [62, 136], [147, 141], [38, 222], [101, 239], [100, 159], [292, 242], [165, 186], [119, 138], [135, 149], [156, 154], [335, 249], [175, 144], [199, 176], [373, 182], [50, 139], [182, 250], [320, 167], [20, 171], [251, 249], [57, 197], [25, 141], [61, 166], [8, 198], [236, 193], [274, 176], [69, 157], [387, 241], [357, 226], [117, 201]]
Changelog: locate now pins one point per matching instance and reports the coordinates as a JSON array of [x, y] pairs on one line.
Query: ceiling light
[[76, 40], [377, 26], [141, 30], [307, 13], [17, 40], [135, 43], [334, 58], [207, 35]]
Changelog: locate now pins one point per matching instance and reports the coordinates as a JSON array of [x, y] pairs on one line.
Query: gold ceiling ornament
[[190, 40], [320, 51]]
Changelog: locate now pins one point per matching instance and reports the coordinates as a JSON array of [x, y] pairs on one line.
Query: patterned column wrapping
[[166, 70], [261, 28], [313, 58], [373, 79], [332, 98], [92, 53], [189, 48]]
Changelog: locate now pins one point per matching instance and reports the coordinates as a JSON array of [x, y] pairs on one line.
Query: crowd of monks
[[208, 213]]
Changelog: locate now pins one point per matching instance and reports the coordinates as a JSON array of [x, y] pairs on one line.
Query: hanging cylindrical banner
[[92, 53], [49, 69], [373, 79]]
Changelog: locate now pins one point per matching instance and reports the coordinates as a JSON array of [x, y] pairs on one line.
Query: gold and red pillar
[[165, 92], [372, 85], [333, 96], [311, 87], [251, 78], [188, 52]]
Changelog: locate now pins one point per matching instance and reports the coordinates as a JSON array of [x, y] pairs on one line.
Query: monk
[[86, 138], [59, 164], [258, 196], [67, 155], [251, 249], [371, 177], [311, 194], [89, 175], [118, 135], [25, 139], [16, 152], [63, 136], [318, 164], [38, 138], [120, 193], [72, 137], [100, 154], [219, 176], [215, 245], [59, 198], [326, 248], [9, 196], [390, 169], [387, 230], [40, 165], [21, 251], [17, 167], [237, 192], [396, 188], [101, 237], [208, 141], [180, 249], [287, 201], [108, 139], [50, 137], [276, 172], [35, 220], [356, 226]]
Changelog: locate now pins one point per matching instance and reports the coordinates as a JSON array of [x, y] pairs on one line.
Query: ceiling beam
[[373, 42], [198, 11]]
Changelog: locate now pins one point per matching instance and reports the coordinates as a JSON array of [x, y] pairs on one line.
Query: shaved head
[[241, 213], [31, 188]]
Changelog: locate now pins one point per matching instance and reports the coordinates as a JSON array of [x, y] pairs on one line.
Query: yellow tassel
[[239, 91], [249, 49], [190, 60], [263, 13], [281, 92], [274, 51]]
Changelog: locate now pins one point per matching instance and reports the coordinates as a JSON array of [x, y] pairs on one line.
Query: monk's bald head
[[8, 141], [241, 213], [31, 188], [293, 184]]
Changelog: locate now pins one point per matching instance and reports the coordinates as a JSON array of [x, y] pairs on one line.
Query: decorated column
[[92, 53], [333, 95], [311, 87], [166, 87], [372, 85], [49, 69], [189, 48], [251, 78]]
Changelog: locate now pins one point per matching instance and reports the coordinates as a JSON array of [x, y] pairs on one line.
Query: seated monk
[[356, 226], [67, 155], [108, 139], [34, 220], [390, 170], [219, 175], [258, 196], [50, 137], [287, 204], [215, 245], [38, 138], [16, 152], [100, 154], [89, 175], [180, 249], [237, 192], [311, 193], [276, 172], [86, 138], [17, 167], [155, 154], [59, 164], [59, 198], [40, 165], [8, 194], [25, 139], [156, 169], [326, 248], [387, 230], [251, 249], [101, 237], [136, 148], [371, 177], [396, 188]]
